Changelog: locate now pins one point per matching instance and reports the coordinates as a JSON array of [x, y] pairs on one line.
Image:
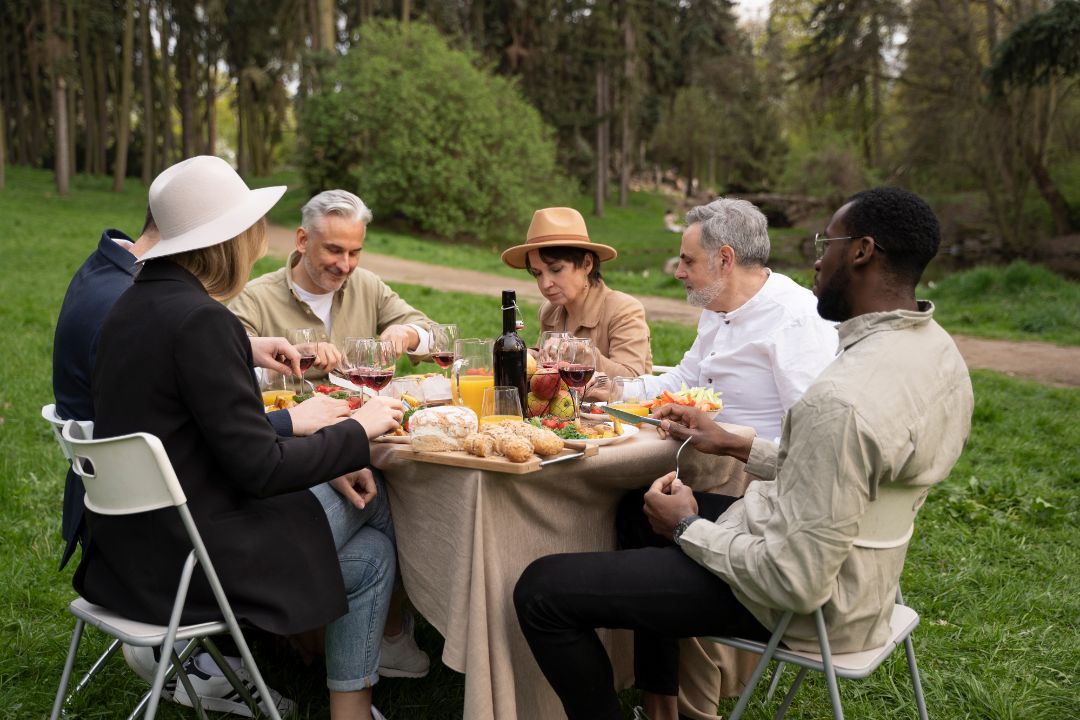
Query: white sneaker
[[218, 695], [375, 714], [401, 656], [143, 663]]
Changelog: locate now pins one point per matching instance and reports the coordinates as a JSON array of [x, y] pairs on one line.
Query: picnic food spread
[[705, 399], [441, 429]]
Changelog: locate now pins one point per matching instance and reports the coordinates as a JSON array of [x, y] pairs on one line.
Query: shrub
[[413, 127]]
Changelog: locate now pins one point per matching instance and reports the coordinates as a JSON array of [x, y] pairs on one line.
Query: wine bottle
[[510, 354]]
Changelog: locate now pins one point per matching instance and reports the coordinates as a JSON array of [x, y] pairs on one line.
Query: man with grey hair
[[321, 285], [760, 341]]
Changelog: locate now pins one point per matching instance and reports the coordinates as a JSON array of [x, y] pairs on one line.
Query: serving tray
[[497, 463]]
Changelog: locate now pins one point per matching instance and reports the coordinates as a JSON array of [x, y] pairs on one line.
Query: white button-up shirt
[[761, 356]]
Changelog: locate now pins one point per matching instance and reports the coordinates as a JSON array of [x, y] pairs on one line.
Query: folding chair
[[57, 423], [888, 523], [132, 474]]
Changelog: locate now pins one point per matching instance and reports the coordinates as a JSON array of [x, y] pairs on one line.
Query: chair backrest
[[57, 423], [889, 520], [127, 474]]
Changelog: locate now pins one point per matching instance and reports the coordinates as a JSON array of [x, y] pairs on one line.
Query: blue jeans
[[365, 547]]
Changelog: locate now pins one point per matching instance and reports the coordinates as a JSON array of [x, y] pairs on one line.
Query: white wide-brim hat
[[201, 202]]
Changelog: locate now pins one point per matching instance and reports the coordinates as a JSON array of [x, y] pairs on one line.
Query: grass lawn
[[992, 569]]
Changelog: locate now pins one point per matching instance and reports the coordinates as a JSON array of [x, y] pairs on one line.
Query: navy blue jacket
[[96, 286]]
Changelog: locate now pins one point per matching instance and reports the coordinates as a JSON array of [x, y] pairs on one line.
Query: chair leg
[[770, 650], [916, 682], [69, 664], [790, 695], [230, 675], [95, 668], [182, 676], [775, 682], [830, 672], [268, 705]]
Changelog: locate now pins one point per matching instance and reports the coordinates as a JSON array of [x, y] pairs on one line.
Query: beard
[[322, 278], [704, 296], [832, 303]]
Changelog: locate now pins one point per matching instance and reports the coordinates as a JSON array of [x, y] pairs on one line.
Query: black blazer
[[175, 363]]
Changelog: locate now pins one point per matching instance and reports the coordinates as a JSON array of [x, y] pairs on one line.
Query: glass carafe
[[471, 372]]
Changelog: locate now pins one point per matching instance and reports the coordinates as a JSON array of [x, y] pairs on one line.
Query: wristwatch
[[680, 527]]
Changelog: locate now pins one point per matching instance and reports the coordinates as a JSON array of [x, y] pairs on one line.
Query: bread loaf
[[441, 429]]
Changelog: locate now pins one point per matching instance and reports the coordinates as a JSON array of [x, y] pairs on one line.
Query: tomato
[[549, 423], [596, 410], [324, 389], [354, 402]]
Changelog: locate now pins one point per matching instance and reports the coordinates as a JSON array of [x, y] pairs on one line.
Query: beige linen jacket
[[894, 407], [616, 323], [363, 307]]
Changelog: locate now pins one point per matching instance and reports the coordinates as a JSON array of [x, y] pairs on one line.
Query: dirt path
[[1044, 362]]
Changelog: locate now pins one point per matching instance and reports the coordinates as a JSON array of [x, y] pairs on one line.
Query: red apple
[[545, 385]]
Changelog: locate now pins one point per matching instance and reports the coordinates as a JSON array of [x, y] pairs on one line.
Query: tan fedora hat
[[201, 202], [556, 227]]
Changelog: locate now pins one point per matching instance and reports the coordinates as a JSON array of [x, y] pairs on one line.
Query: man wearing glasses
[[894, 408]]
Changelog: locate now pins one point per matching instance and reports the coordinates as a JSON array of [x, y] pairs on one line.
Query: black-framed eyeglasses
[[821, 243]]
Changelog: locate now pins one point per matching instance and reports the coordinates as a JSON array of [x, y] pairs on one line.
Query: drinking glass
[[407, 389], [370, 363], [500, 403], [306, 342], [550, 340], [628, 394], [443, 338], [472, 372], [577, 363]]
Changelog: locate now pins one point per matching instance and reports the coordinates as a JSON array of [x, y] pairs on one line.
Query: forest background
[[456, 118]]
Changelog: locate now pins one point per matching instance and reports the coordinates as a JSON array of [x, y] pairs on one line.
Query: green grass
[[1018, 302], [992, 569]]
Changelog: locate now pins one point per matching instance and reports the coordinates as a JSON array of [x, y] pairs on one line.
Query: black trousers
[[650, 587]]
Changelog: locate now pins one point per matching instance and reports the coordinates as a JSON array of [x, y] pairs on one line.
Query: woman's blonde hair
[[223, 269]]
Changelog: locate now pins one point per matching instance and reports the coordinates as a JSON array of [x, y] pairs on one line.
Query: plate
[[628, 431], [397, 439]]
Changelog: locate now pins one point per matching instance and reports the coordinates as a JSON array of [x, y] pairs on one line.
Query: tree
[[420, 133], [56, 50], [126, 91]]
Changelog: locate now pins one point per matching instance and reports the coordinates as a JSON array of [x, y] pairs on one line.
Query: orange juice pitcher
[[472, 373]]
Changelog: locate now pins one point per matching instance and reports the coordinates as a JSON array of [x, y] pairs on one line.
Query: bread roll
[[514, 448], [441, 429], [480, 445]]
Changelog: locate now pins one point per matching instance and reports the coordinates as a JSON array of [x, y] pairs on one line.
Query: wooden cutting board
[[460, 458]]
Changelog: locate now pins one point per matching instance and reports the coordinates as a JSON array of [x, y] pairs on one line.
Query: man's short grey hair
[[340, 203], [734, 222]]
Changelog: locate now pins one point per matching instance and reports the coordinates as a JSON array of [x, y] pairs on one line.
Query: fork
[[677, 454], [599, 382]]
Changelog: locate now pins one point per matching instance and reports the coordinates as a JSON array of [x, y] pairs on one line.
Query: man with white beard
[[760, 340]]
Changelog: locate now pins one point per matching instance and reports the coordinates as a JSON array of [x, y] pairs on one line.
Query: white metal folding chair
[[888, 523], [132, 474]]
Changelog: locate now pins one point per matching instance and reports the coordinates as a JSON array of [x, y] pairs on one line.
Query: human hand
[[403, 337], [358, 487], [328, 357], [316, 413], [683, 421], [668, 501], [379, 415], [275, 353]]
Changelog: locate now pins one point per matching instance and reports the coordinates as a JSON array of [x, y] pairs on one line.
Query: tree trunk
[[629, 97], [211, 103], [123, 130], [166, 87], [328, 26], [22, 145], [600, 189], [101, 95], [185, 51], [406, 12], [38, 119], [146, 49], [53, 13], [72, 116], [89, 101]]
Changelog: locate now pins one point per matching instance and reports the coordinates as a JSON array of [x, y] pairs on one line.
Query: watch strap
[[680, 527]]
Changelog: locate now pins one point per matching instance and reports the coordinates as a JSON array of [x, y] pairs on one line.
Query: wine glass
[[306, 342], [371, 363], [443, 339], [628, 394], [548, 355], [577, 363]]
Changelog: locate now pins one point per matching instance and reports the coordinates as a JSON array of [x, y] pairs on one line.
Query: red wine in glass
[[358, 375], [378, 379], [306, 361], [576, 375], [443, 359]]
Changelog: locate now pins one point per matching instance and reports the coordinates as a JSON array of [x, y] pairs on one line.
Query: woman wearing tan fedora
[[566, 264], [174, 362]]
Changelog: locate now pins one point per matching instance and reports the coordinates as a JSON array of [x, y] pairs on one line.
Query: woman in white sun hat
[[174, 362]]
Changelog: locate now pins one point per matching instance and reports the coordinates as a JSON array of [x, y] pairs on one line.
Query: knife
[[630, 417]]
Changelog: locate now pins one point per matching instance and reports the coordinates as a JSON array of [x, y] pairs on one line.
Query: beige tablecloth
[[464, 537]]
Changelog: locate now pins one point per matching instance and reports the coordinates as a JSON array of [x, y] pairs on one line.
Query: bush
[[414, 128]]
